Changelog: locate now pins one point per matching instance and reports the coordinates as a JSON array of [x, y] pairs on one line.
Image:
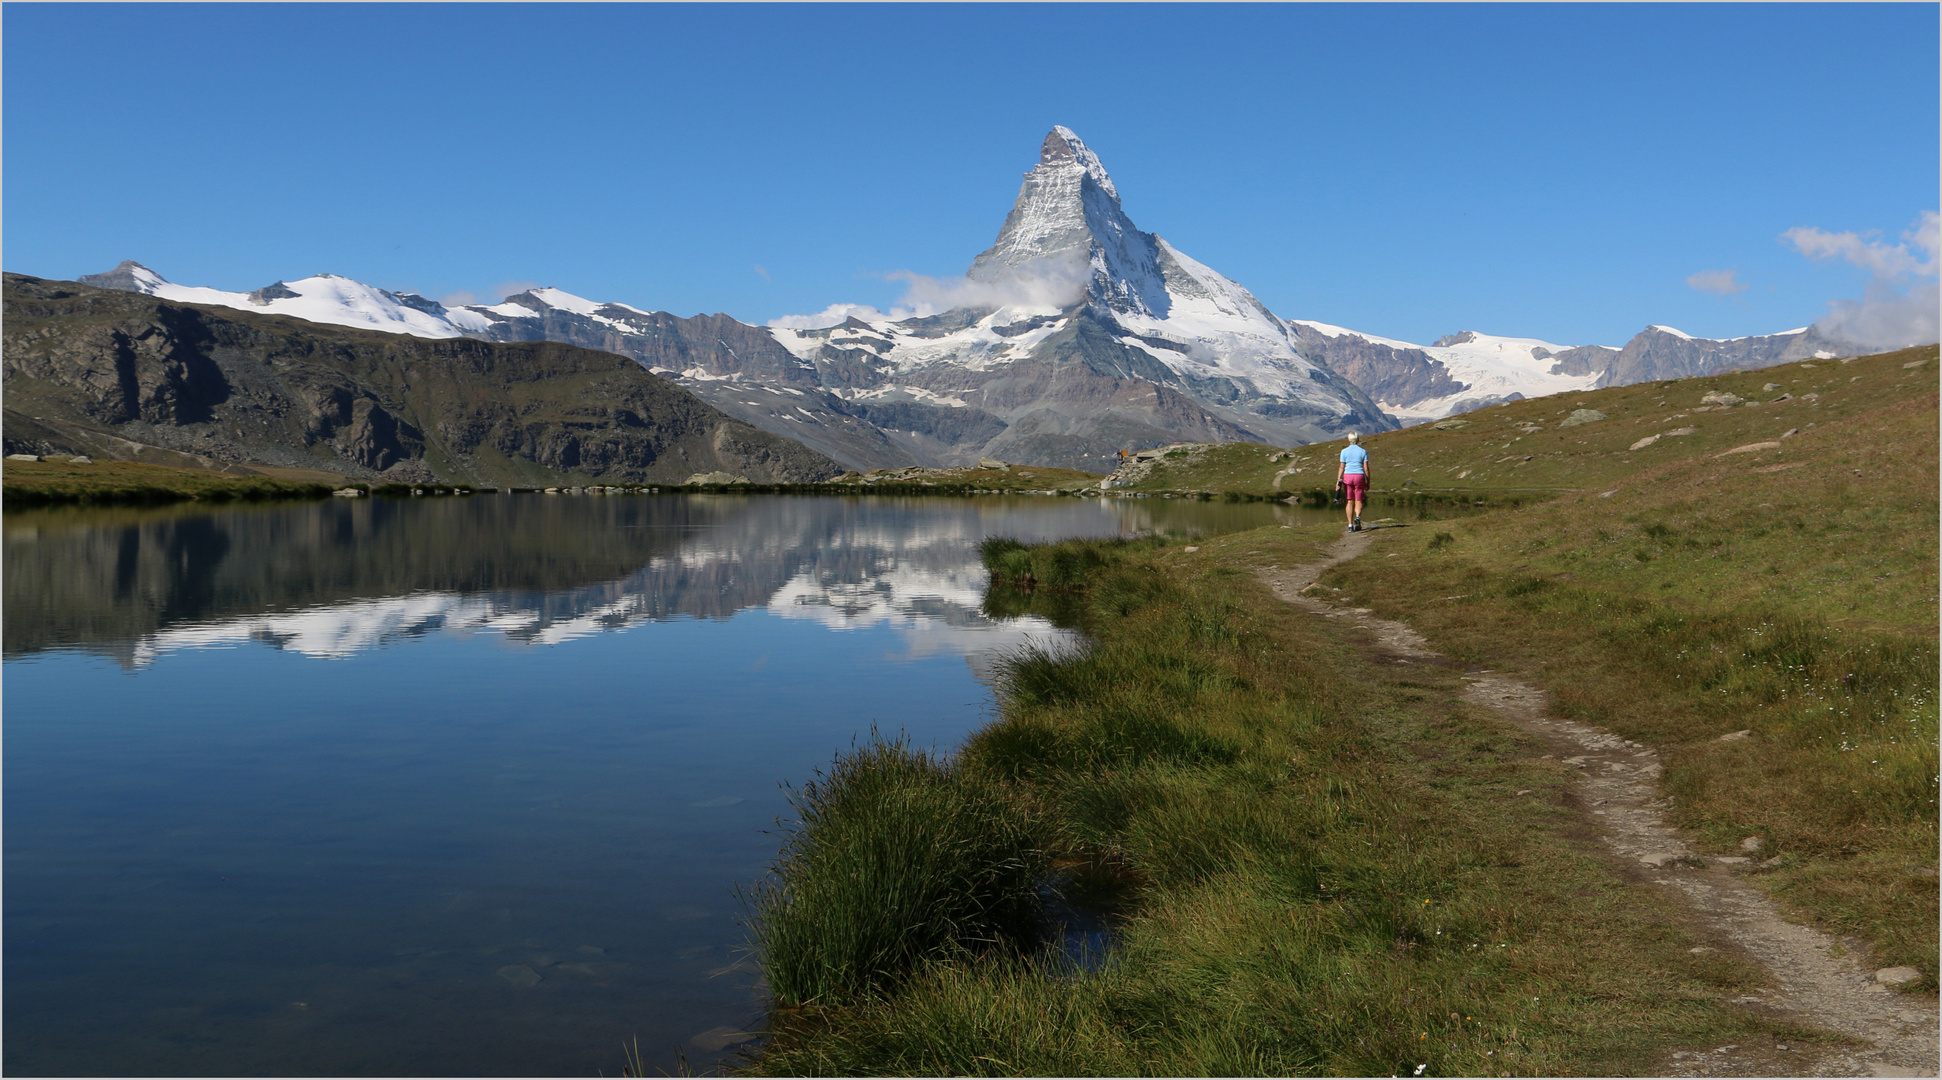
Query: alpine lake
[[463, 785]]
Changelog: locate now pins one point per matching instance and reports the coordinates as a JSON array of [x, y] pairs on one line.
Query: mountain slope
[[116, 373], [1467, 371], [1074, 335]]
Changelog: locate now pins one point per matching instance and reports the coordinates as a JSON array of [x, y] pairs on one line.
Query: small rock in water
[[716, 1039], [1896, 976], [519, 975]]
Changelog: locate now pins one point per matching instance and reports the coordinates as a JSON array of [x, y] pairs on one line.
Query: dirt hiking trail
[[1818, 980]]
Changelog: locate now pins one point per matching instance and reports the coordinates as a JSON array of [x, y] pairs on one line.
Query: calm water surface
[[454, 786]]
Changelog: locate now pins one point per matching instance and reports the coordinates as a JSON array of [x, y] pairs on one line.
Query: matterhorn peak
[[1062, 145], [1067, 225]]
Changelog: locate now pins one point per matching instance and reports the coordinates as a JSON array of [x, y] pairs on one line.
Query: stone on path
[[1896, 976]]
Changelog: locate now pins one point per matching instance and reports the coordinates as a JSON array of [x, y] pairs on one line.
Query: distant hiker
[[1353, 477]]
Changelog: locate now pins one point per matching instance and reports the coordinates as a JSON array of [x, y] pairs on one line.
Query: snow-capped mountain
[[1461, 372], [325, 298], [1082, 335], [1073, 336]]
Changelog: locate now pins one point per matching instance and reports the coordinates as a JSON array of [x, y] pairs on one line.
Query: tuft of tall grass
[[895, 861]]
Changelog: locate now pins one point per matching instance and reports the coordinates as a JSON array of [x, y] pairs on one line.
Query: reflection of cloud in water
[[902, 566], [933, 609], [934, 612]]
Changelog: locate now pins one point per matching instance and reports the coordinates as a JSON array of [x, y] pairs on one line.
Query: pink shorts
[[1355, 486]]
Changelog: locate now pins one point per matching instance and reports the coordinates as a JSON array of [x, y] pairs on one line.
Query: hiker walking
[[1353, 477]]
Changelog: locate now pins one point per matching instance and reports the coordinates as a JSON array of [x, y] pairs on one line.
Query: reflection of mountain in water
[[336, 578]]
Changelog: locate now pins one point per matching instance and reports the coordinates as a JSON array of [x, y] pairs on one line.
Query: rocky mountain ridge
[[1076, 335], [120, 374]]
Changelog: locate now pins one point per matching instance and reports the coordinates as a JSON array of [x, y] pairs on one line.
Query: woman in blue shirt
[[1353, 476]]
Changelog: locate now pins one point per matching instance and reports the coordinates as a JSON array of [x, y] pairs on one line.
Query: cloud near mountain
[[1717, 282], [1900, 306], [1056, 281]]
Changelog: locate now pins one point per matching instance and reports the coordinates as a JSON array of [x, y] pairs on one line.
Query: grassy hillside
[[1533, 447], [1788, 591]]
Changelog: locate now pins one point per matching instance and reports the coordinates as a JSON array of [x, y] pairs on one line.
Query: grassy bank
[[59, 480], [1315, 867]]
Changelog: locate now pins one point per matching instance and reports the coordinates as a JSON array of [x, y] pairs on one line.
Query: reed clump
[[894, 862]]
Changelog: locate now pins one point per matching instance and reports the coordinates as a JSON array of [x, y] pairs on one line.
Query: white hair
[[1355, 436]]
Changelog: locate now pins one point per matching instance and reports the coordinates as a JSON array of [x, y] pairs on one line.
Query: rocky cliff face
[[1660, 352], [112, 372]]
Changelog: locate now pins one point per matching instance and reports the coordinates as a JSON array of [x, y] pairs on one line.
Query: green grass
[[972, 478], [1314, 870], [55, 481]]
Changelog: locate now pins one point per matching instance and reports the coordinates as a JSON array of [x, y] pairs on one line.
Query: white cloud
[[1056, 282], [1717, 282], [1901, 305], [835, 314], [513, 288]]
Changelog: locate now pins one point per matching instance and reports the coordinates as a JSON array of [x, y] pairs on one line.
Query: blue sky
[[1566, 172]]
